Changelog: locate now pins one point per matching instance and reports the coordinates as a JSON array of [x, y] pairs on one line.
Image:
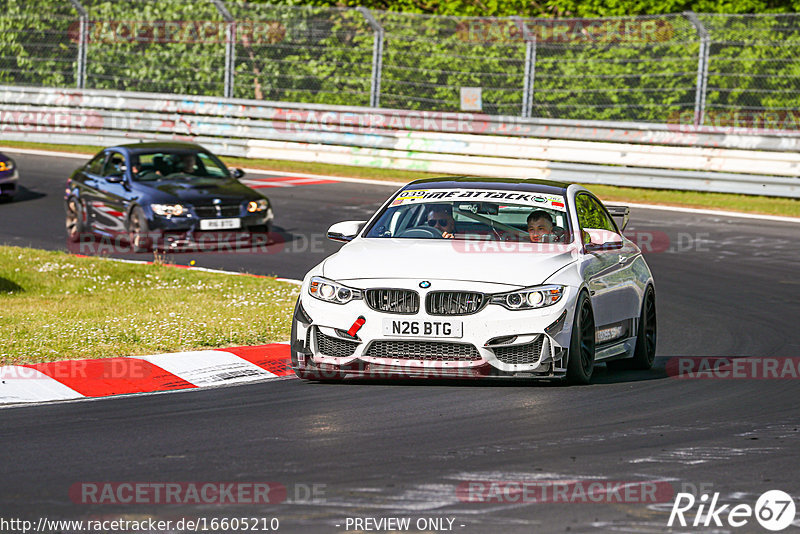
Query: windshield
[[176, 164], [479, 214]]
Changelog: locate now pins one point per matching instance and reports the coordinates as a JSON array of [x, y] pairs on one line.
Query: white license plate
[[220, 224], [400, 327]]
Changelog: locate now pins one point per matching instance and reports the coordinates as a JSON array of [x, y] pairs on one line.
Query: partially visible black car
[[8, 177], [163, 195]]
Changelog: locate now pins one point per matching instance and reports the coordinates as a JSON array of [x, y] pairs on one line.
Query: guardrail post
[[529, 67], [702, 67], [377, 58], [230, 48], [83, 42]]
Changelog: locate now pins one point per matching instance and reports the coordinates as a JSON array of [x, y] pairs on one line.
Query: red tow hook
[[356, 326]]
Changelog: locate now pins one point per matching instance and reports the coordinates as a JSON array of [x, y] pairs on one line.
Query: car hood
[[520, 264], [200, 190]]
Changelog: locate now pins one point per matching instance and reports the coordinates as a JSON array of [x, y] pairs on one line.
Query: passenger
[[540, 227], [440, 217]]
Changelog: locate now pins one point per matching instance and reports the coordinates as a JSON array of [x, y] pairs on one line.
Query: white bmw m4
[[478, 277]]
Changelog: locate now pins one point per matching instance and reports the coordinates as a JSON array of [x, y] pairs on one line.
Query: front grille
[[331, 346], [454, 302], [435, 351], [225, 210], [519, 354], [393, 300]]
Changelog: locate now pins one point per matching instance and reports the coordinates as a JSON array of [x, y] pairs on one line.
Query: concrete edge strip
[[105, 377], [396, 184]]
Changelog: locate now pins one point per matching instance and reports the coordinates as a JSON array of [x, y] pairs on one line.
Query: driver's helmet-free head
[[440, 216]]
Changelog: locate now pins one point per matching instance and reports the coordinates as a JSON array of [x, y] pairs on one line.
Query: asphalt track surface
[[725, 287]]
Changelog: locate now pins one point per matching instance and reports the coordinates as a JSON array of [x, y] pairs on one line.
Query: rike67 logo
[[774, 510]]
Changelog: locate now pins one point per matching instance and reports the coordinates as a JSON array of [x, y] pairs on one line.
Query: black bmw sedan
[[163, 195]]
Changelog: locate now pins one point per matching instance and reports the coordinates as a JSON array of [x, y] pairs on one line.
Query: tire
[[580, 359], [75, 223], [644, 354], [138, 231]]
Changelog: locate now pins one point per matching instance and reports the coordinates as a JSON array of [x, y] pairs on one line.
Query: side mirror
[[237, 173], [115, 179], [610, 245], [601, 240], [620, 212], [345, 231]]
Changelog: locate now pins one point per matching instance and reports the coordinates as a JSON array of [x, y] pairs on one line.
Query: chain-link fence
[[721, 70]]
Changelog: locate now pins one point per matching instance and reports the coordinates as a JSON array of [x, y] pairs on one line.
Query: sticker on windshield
[[422, 196]]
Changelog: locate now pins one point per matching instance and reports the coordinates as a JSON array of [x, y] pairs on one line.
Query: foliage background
[[321, 52]]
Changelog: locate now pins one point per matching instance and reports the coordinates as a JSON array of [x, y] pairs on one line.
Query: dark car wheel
[[75, 221], [580, 361], [138, 231], [645, 352]]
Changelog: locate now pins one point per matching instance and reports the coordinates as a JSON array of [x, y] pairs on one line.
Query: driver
[[187, 163], [540, 227], [440, 217]]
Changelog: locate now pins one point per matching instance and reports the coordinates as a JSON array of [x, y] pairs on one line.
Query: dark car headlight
[[169, 210], [331, 291], [529, 298], [257, 205]]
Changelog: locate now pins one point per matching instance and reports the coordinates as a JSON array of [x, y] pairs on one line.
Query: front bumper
[[495, 341], [185, 232]]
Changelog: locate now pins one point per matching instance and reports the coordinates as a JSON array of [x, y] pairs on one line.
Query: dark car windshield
[[176, 164], [474, 214]]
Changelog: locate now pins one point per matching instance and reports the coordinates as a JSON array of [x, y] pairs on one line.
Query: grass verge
[[55, 306], [786, 207]]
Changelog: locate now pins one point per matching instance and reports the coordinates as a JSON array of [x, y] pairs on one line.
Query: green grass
[[720, 201], [55, 306]]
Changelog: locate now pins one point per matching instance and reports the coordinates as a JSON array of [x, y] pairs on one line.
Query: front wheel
[[138, 231], [580, 360]]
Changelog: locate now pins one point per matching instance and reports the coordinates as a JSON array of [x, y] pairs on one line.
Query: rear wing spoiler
[[618, 212]]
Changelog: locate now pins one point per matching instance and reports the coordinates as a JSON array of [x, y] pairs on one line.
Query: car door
[[605, 270], [91, 180], [111, 194]]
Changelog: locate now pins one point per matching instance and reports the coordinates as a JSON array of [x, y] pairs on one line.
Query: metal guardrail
[[625, 154]]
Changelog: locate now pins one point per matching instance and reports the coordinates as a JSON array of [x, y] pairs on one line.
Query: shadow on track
[[601, 376], [23, 195]]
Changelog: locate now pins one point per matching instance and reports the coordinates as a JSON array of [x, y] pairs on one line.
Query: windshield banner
[[425, 196]]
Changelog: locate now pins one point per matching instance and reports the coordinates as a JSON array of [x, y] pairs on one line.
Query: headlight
[[257, 205], [330, 291], [529, 298], [168, 210]]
